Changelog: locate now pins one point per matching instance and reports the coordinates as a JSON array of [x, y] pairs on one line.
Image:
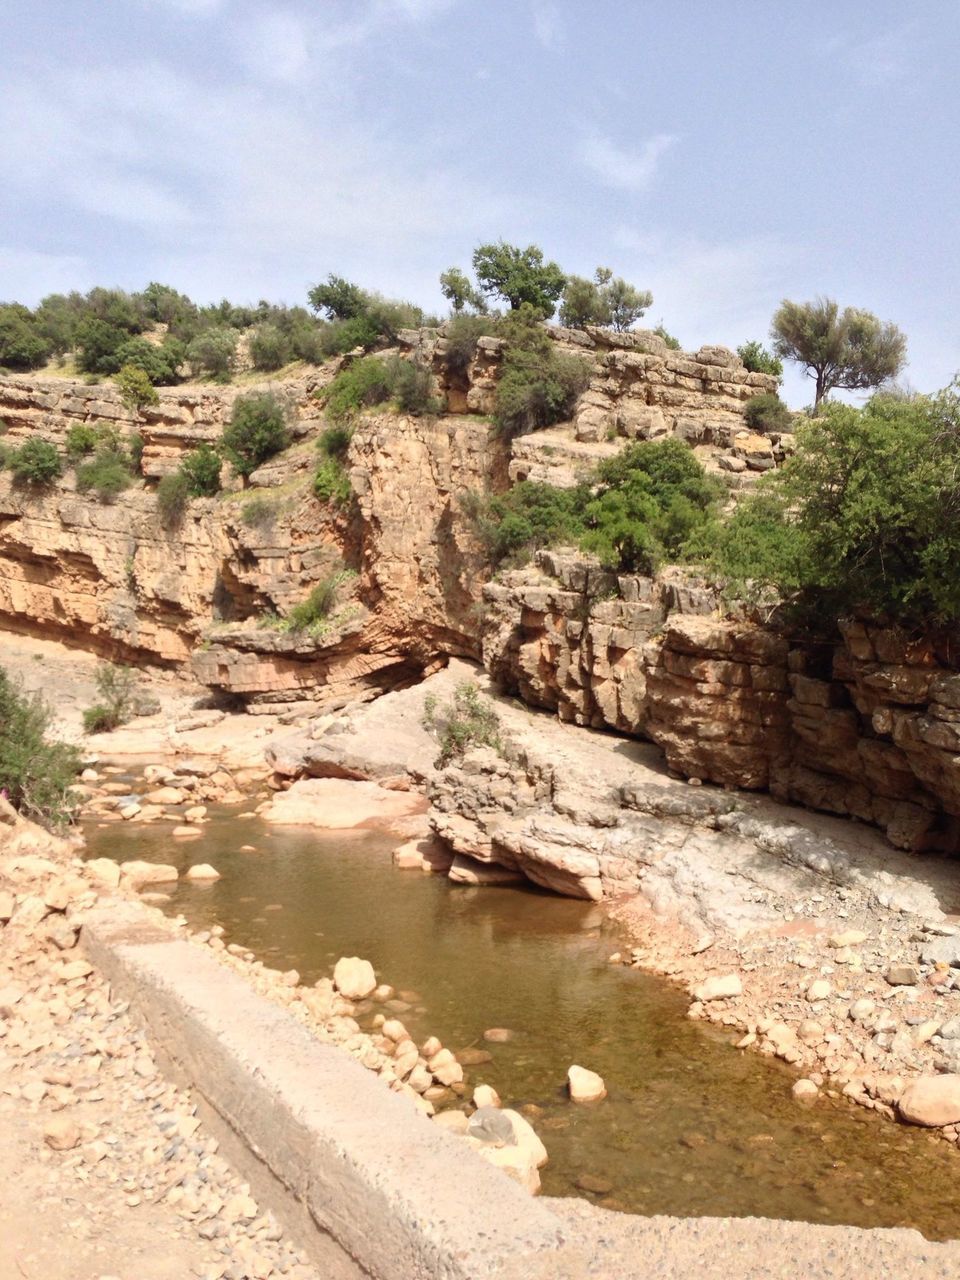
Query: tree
[[338, 299], [22, 346], [214, 351], [850, 350], [603, 301], [757, 359], [459, 292], [519, 276], [257, 430], [136, 389]]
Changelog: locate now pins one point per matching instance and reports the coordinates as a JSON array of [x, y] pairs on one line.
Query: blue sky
[[723, 155]]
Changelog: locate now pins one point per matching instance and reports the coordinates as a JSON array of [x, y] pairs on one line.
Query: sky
[[723, 154]]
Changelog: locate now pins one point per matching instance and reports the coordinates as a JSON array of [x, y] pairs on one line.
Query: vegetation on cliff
[[849, 350], [468, 720]]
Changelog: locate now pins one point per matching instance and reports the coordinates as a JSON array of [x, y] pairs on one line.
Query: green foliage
[[459, 292], [331, 482], [360, 319], [865, 516], [35, 772], [462, 334], [259, 512], [412, 387], [757, 359], [213, 351], [767, 413], [371, 381], [136, 389], [270, 348], [335, 441], [538, 385], [82, 438], [117, 687], [672, 342], [528, 516], [318, 605], [850, 350], [519, 276], [98, 344], [173, 495], [338, 299], [158, 363], [201, 470], [22, 343], [257, 430], [469, 720], [35, 463], [604, 300], [107, 474]]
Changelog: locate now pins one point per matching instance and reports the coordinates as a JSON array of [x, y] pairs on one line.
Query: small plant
[[35, 773], [331, 483], [257, 430], [758, 359], [538, 385], [136, 389], [107, 474], [462, 334], [118, 698], [467, 721], [672, 342], [767, 413], [258, 513], [413, 388], [362, 385], [318, 605], [81, 439], [35, 463], [201, 470], [173, 495], [335, 441]]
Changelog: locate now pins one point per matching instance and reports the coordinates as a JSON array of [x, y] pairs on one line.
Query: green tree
[[338, 299], [519, 276], [849, 350], [22, 345], [270, 348], [757, 359], [98, 343], [257, 430], [136, 389], [35, 463], [459, 292], [35, 773], [201, 469], [214, 351], [605, 300]]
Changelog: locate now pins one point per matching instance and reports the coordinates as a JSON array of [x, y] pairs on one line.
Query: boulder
[[202, 871], [719, 988], [932, 1101], [354, 978], [136, 873]]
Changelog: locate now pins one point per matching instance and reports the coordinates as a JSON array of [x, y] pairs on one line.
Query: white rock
[[584, 1085], [932, 1101], [820, 989], [719, 988], [203, 871], [805, 1090], [484, 1095], [354, 978]]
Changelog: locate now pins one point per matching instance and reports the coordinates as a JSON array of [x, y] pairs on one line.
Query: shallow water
[[689, 1127]]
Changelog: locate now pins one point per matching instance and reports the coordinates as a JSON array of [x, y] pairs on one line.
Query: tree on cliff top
[[519, 276], [849, 350], [604, 300]]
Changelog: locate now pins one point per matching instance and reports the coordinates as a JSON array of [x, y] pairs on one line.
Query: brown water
[[689, 1127]]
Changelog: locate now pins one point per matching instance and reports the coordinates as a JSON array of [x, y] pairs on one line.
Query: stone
[[594, 1184], [453, 1121], [719, 988], [202, 871], [941, 951], [850, 938], [902, 975], [60, 1133], [338, 803], [819, 989], [354, 978], [491, 1124], [104, 871], [7, 906], [862, 1009], [933, 1101], [584, 1085], [484, 1095], [137, 873], [805, 1090], [498, 1035]]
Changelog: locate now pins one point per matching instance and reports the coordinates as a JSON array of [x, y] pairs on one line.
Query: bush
[[462, 334], [758, 359], [98, 344], [136, 389], [22, 344], [158, 363], [538, 385], [173, 495], [257, 430], [318, 605], [361, 385], [768, 413], [201, 470], [335, 441], [270, 348], [81, 439], [864, 517], [35, 463], [469, 720], [529, 516], [35, 773], [672, 342], [258, 513], [213, 351], [413, 388], [117, 687], [331, 483], [346, 335], [107, 473]]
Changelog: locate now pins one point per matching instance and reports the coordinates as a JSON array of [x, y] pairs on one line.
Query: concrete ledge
[[370, 1187]]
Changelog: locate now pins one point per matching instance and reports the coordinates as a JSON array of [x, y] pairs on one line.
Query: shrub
[[528, 516], [22, 343], [82, 438], [258, 513], [270, 348], [157, 363], [672, 342], [257, 430], [173, 495], [413, 387], [35, 772], [335, 441], [469, 720], [318, 605], [107, 473], [136, 389], [213, 351], [462, 334], [118, 693], [201, 470], [767, 413], [758, 359], [331, 483], [35, 463], [346, 335], [361, 385], [538, 385], [98, 344]]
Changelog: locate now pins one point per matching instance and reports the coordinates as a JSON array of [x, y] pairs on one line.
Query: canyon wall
[[866, 727]]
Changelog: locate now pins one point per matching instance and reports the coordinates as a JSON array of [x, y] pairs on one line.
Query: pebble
[[584, 1085]]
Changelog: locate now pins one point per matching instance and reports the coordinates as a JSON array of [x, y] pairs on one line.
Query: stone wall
[[866, 727]]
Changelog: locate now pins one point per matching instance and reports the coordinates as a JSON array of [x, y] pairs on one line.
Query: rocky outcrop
[[865, 727]]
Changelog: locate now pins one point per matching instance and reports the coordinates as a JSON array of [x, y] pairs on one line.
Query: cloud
[[193, 8], [27, 274], [884, 59], [548, 25], [274, 46], [625, 170]]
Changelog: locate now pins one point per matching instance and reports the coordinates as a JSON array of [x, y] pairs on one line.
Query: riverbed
[[690, 1125]]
